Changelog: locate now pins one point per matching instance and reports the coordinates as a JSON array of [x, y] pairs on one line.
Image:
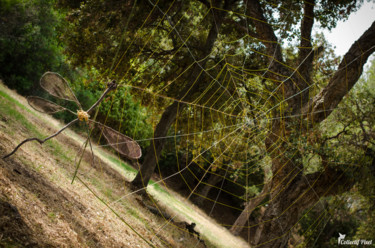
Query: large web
[[230, 131]]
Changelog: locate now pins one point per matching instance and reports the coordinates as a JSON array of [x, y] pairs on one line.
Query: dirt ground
[[40, 207]]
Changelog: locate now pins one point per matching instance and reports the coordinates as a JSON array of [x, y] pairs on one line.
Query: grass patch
[[157, 187], [59, 151], [9, 244], [11, 99], [134, 213], [106, 191], [122, 164], [52, 216], [6, 109]]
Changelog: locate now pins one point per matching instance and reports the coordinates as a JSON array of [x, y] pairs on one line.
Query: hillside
[[40, 207]]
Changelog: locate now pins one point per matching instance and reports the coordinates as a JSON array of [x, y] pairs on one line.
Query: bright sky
[[345, 33]]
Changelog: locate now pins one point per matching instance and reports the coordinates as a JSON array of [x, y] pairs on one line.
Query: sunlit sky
[[344, 35]]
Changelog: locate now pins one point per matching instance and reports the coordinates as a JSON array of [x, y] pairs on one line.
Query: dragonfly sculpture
[[58, 87]]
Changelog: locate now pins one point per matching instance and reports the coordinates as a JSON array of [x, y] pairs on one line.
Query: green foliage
[[125, 114], [28, 42], [353, 127], [118, 39], [349, 139], [320, 227], [331, 11]]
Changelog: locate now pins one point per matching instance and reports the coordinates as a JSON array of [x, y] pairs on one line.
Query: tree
[[291, 189], [28, 42], [349, 135]]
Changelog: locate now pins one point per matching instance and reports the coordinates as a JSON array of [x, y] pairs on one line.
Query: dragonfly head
[[82, 115]]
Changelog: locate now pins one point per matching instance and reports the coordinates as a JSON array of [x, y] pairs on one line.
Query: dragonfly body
[[83, 115]]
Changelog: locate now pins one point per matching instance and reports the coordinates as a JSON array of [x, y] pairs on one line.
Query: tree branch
[[343, 131], [250, 206], [306, 28], [264, 29], [305, 56], [311, 187], [278, 71], [348, 73]]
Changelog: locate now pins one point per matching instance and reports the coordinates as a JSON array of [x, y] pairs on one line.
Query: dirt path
[[39, 207]]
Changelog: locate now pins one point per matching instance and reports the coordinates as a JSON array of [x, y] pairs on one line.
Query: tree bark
[[169, 116], [278, 71]]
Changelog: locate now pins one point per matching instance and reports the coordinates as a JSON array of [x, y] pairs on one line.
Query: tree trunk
[[240, 222], [202, 193], [148, 166], [169, 116]]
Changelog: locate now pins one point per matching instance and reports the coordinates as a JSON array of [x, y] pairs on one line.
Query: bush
[[126, 115], [28, 42]]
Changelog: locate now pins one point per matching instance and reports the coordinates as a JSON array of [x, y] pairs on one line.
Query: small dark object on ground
[[190, 228]]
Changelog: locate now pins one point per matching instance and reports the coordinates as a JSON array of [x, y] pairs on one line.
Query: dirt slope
[[39, 207]]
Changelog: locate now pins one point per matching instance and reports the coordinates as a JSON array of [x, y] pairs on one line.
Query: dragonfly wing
[[43, 105], [121, 143], [57, 86]]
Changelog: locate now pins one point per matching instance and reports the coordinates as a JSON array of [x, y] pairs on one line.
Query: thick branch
[[305, 56], [264, 29], [277, 69], [348, 73], [239, 224], [321, 184], [306, 28]]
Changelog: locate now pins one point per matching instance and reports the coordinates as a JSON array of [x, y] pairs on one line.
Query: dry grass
[[41, 208]]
